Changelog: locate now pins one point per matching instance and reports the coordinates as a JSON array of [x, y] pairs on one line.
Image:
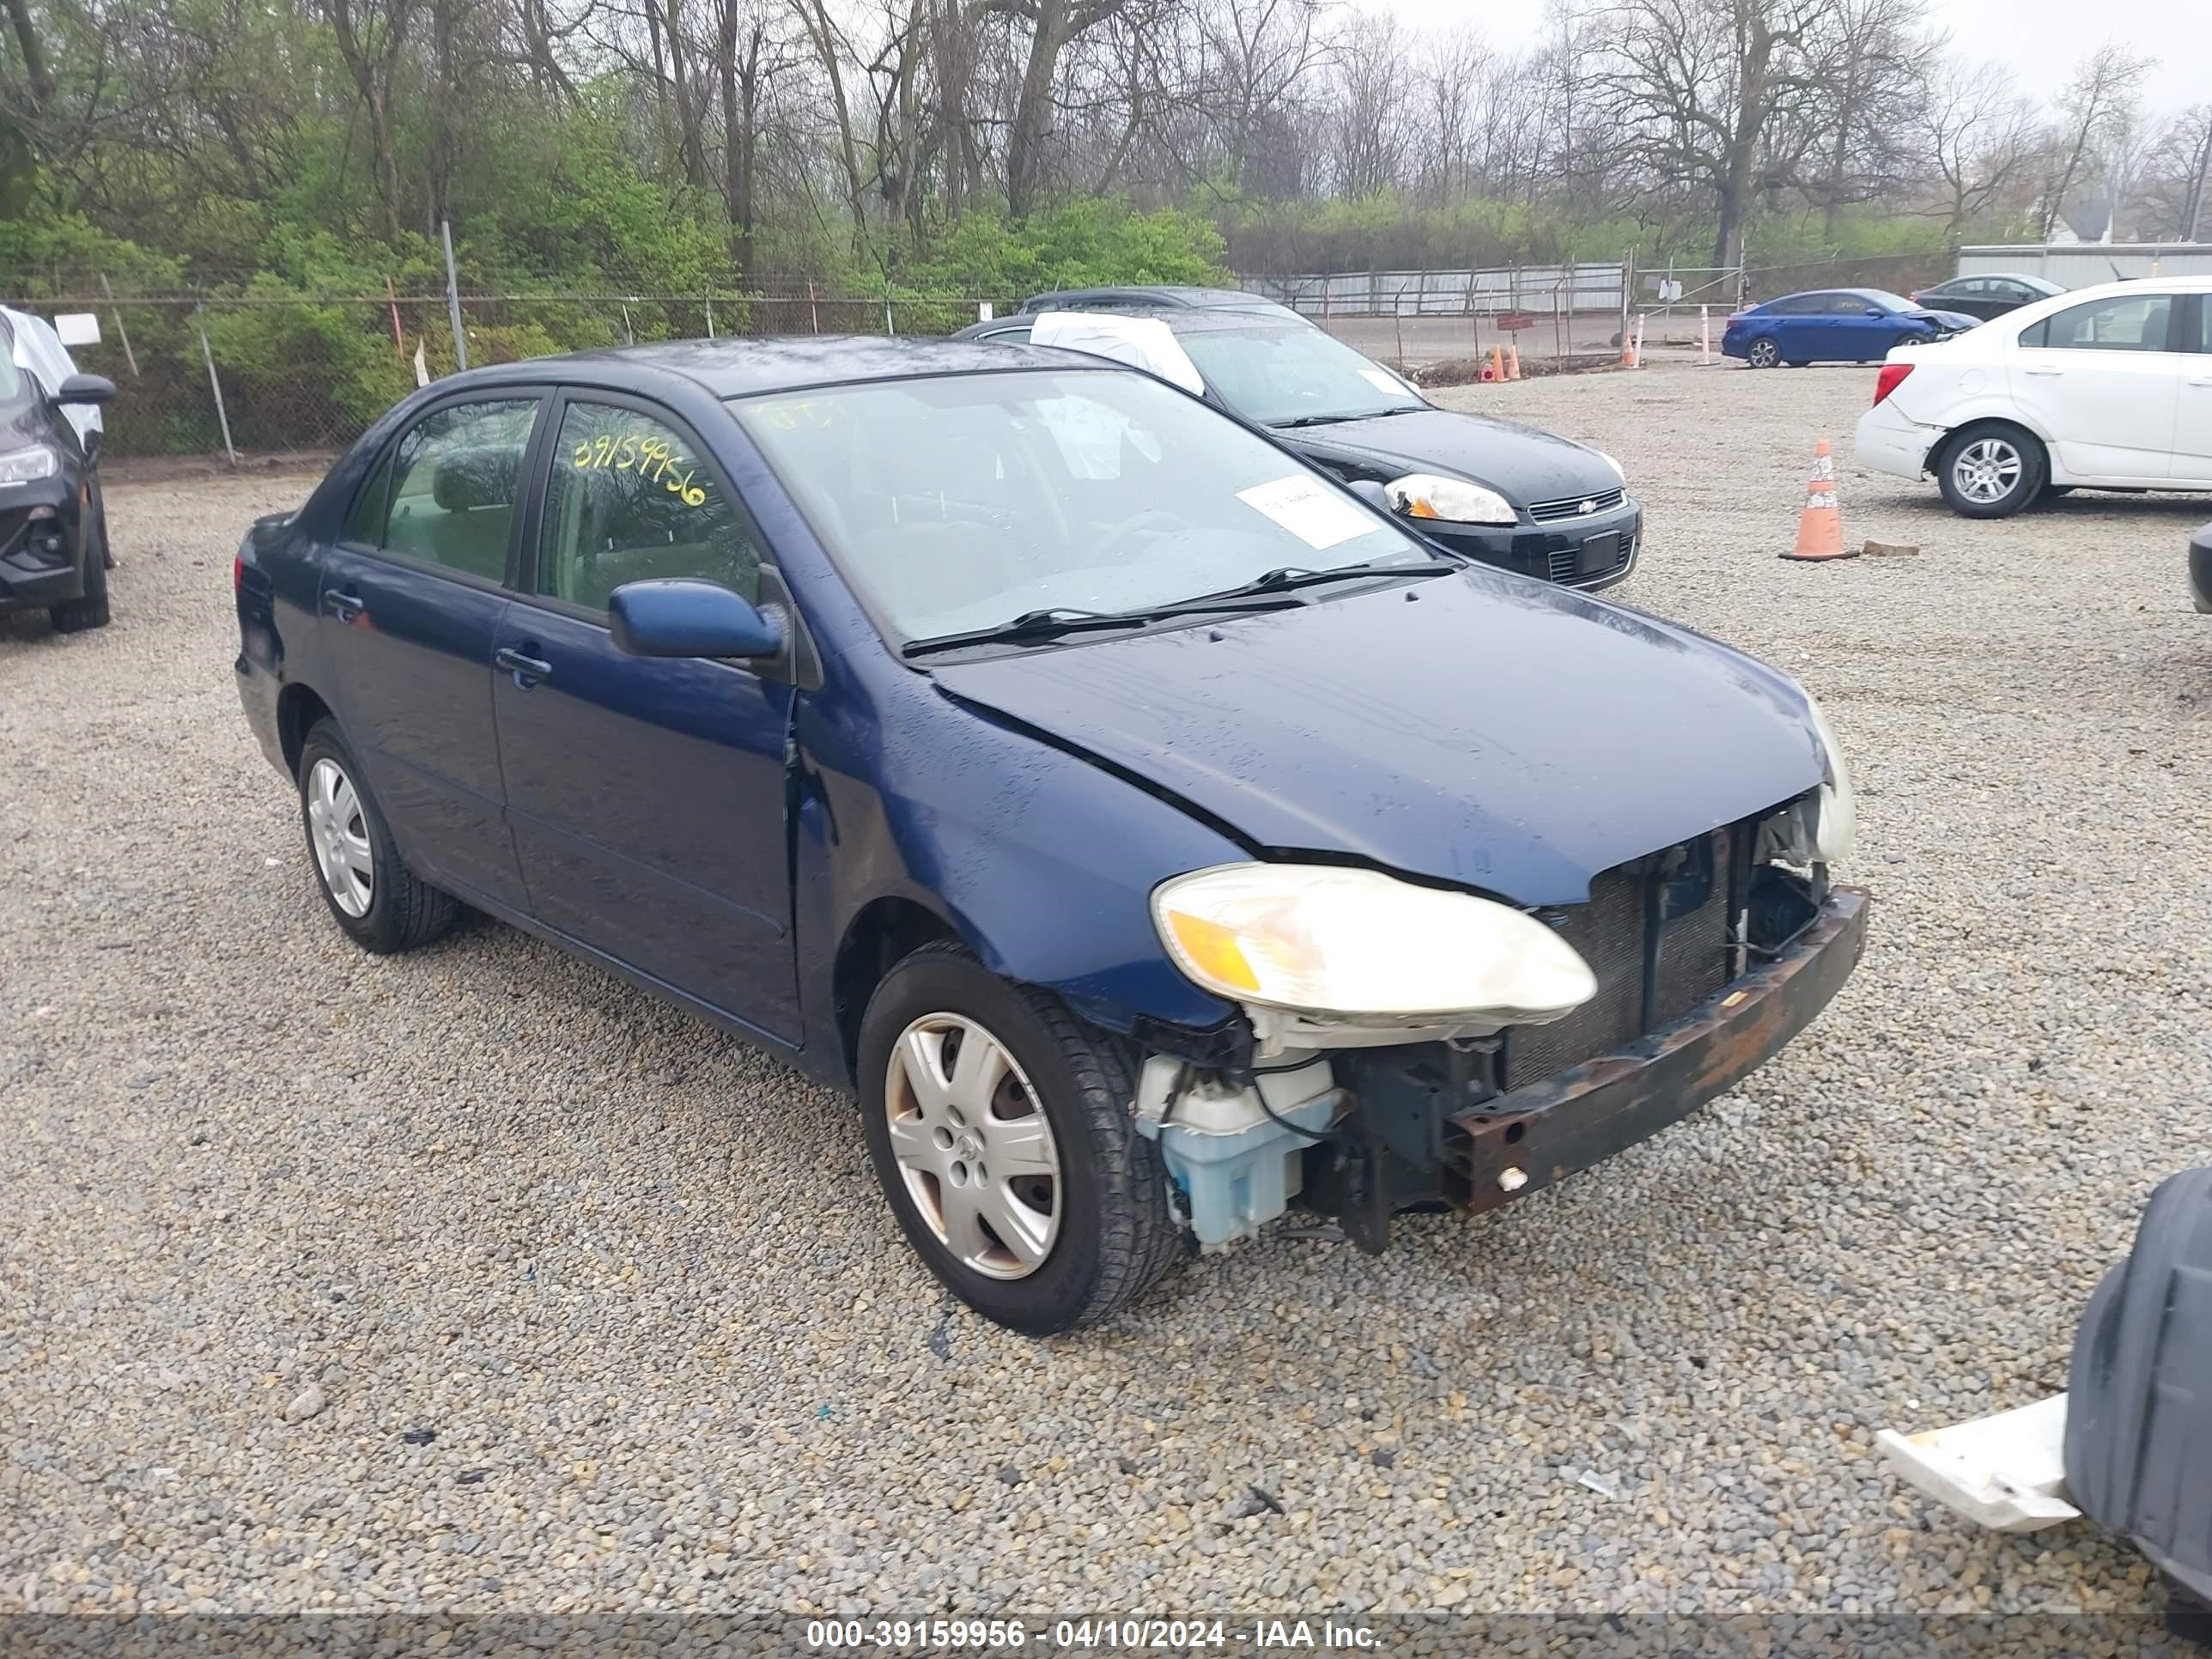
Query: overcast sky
[[2041, 39]]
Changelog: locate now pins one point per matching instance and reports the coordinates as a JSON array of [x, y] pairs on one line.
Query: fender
[[1043, 862]]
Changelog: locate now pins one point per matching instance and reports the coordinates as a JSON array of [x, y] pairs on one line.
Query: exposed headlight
[[27, 466], [1836, 822], [1360, 947], [1619, 470], [1429, 495]]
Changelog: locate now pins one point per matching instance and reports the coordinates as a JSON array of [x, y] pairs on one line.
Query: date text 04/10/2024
[[1096, 1634]]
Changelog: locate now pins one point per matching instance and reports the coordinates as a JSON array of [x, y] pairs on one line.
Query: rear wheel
[[1991, 472], [1763, 354], [1002, 1135], [382, 905]]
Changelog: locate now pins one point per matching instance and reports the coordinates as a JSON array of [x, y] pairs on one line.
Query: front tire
[[1002, 1135], [381, 904], [1991, 472], [91, 611], [1763, 354]]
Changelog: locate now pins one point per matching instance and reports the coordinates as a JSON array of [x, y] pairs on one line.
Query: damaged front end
[[1704, 958]]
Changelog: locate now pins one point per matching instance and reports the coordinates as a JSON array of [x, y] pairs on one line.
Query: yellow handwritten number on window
[[653, 458]]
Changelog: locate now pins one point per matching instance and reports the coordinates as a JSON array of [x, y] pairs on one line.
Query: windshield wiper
[[1051, 625], [1297, 421], [1291, 575]]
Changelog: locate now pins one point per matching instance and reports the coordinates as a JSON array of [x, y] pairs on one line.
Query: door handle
[[342, 606], [2201, 382], [527, 671], [2050, 373]]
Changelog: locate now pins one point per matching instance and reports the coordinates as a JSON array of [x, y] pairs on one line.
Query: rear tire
[[1992, 471], [382, 905], [1099, 1233], [1762, 354]]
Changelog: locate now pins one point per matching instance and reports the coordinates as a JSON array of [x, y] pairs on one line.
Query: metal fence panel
[[1555, 290], [2085, 264]]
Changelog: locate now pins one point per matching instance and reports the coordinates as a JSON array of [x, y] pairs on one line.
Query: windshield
[[1275, 375], [963, 501]]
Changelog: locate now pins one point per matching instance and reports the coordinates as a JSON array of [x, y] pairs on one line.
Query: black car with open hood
[[1499, 491], [53, 533]]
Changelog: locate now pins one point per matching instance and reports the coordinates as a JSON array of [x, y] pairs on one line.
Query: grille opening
[[1570, 507], [1656, 935]]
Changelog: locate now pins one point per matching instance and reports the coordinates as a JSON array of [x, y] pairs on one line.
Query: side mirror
[[1371, 493], [680, 616], [85, 389], [1876, 311]]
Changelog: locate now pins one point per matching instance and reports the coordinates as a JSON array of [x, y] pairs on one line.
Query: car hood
[[1477, 729], [1519, 461], [1948, 319]]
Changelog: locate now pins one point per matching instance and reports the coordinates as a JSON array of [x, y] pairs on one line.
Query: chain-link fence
[[275, 372], [1421, 318]]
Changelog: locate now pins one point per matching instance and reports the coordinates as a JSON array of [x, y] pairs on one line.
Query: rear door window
[[2135, 322], [452, 481]]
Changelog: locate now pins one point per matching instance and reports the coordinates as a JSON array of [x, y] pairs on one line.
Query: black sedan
[[1494, 490], [53, 533], [1991, 294]]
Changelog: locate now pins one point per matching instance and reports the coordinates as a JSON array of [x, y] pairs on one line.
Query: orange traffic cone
[[1497, 362], [1821, 526], [1513, 362]]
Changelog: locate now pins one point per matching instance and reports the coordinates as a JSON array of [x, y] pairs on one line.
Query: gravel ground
[[476, 1279]]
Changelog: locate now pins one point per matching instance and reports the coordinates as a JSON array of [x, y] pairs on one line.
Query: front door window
[[629, 501]]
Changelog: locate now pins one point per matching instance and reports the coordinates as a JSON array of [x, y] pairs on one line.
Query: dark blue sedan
[[1834, 325], [1149, 830]]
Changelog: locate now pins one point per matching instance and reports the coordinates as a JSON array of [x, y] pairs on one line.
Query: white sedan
[[2105, 388]]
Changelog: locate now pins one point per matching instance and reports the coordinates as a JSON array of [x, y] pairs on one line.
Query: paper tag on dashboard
[[1383, 381], [1309, 510]]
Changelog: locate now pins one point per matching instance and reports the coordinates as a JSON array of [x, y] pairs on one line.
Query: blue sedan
[[1834, 325], [1147, 828]]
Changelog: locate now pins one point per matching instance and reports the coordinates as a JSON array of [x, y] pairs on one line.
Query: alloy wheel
[[339, 831], [973, 1146], [1765, 353], [1987, 470]]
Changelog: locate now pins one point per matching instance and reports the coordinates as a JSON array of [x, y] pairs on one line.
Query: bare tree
[[1977, 137], [1054, 26], [2177, 178], [1864, 54], [2098, 105], [370, 36], [1371, 130], [1707, 89]]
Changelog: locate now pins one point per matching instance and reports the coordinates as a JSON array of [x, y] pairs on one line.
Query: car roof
[[1163, 294], [746, 368], [1215, 322], [1998, 276], [2128, 285]]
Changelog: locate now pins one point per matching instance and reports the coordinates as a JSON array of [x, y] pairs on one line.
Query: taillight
[[1892, 377], [237, 571]]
